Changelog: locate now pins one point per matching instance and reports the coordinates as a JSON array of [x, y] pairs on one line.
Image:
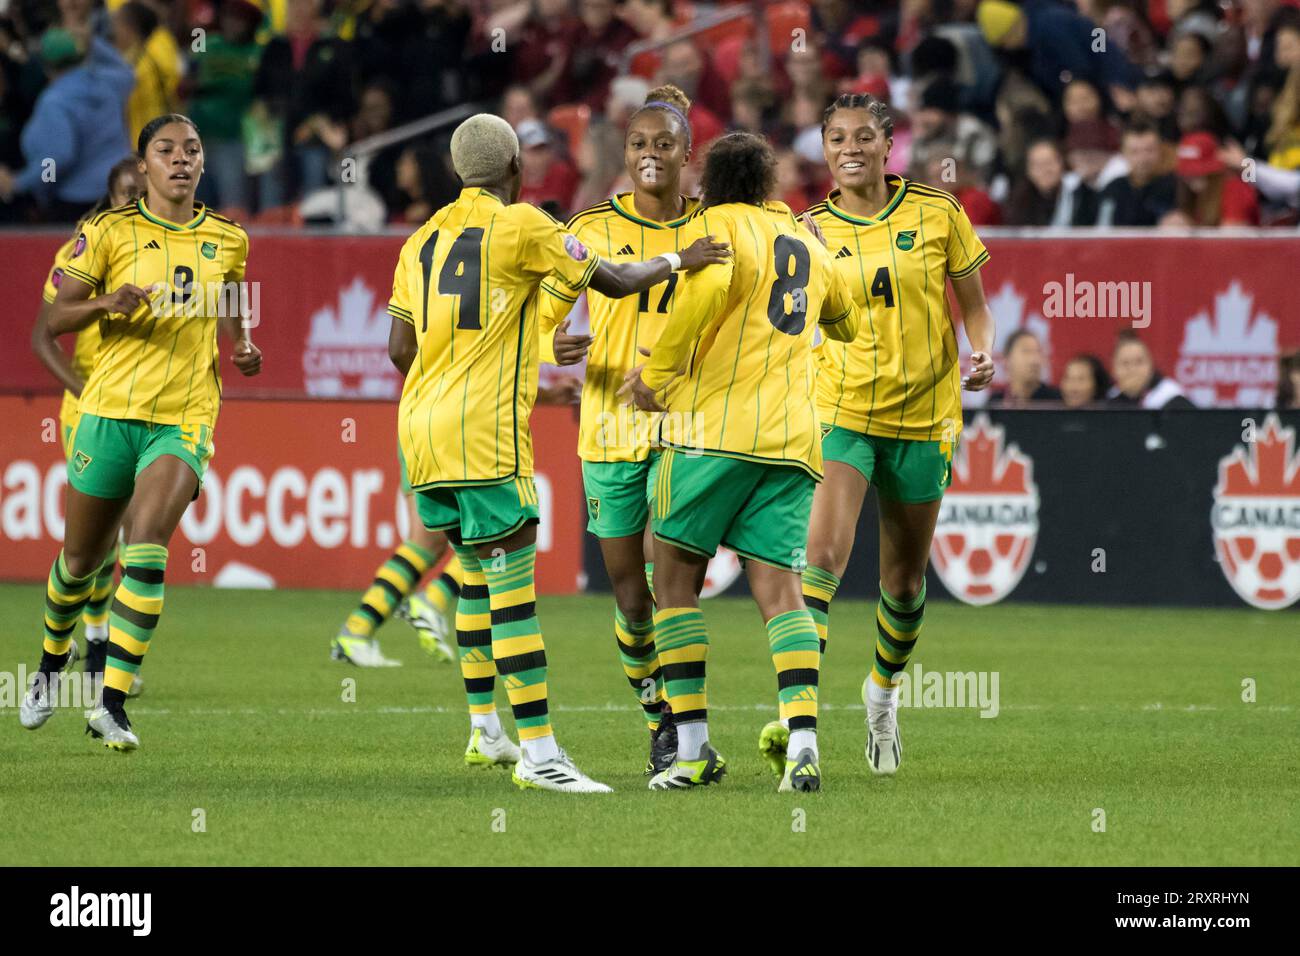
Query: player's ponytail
[[672, 101], [152, 127], [862, 101]]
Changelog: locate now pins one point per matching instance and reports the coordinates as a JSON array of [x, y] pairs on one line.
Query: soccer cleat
[[663, 743], [710, 768], [884, 744], [485, 751], [431, 626], [558, 774], [772, 744], [137, 686], [801, 774], [361, 651], [38, 703], [112, 727]]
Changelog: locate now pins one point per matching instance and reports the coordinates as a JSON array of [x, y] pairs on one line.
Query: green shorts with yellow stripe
[[479, 513], [616, 497], [760, 510], [910, 471], [107, 454]]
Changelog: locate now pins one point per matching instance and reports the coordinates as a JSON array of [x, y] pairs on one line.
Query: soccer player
[[465, 334], [147, 410], [737, 356], [614, 438], [889, 400], [125, 184]]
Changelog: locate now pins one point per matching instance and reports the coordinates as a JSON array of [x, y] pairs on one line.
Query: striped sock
[[792, 637], [441, 592], [683, 646], [65, 596], [819, 587], [96, 613], [518, 649], [474, 640], [394, 580], [898, 625], [636, 649], [133, 617]]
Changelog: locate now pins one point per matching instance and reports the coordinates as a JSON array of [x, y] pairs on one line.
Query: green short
[[107, 454], [479, 513], [616, 497], [756, 509], [401, 471], [901, 469]]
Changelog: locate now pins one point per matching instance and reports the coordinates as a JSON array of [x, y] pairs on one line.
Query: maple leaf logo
[[347, 347], [1230, 359]]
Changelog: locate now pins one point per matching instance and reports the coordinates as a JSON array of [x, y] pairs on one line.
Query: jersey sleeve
[[965, 251], [401, 303], [91, 253], [57, 269], [840, 315], [550, 249], [239, 261]]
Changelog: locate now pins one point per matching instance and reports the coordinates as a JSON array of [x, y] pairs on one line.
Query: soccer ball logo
[[989, 519], [1256, 518]]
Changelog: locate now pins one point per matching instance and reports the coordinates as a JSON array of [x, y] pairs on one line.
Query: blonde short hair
[[482, 147]]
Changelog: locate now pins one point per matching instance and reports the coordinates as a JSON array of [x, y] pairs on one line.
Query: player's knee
[[632, 595], [81, 563], [831, 553], [902, 586]]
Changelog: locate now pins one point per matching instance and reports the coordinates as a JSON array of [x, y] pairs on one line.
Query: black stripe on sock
[[390, 589], [143, 575], [375, 617], [479, 685], [474, 592], [58, 607], [533, 708], [451, 584], [905, 616], [411, 573], [521, 662], [115, 653], [683, 670], [903, 647], [639, 652], [639, 682], [514, 613], [146, 621], [803, 723], [688, 716], [817, 604], [797, 676], [481, 638], [60, 633], [889, 666]]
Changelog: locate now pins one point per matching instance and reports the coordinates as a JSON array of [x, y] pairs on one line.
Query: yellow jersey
[[900, 378], [467, 280], [86, 343], [608, 429], [742, 337], [160, 363]]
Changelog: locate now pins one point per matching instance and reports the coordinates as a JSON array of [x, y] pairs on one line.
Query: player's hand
[[247, 357], [127, 299], [981, 372], [1233, 156], [704, 252], [569, 349], [640, 394], [810, 224]]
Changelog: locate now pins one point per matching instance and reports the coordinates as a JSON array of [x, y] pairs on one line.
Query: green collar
[[881, 216], [619, 208], [199, 216]]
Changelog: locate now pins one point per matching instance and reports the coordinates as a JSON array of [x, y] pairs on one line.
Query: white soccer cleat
[[137, 686], [361, 651], [113, 728], [485, 751], [884, 745], [431, 625], [42, 695], [558, 774]]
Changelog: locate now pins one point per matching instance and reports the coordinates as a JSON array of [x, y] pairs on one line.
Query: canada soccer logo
[[988, 522], [1256, 518], [1230, 358]]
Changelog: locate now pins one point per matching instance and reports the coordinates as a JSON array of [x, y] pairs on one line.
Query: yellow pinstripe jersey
[[159, 364], [742, 337], [900, 378], [467, 280], [608, 429], [87, 340]]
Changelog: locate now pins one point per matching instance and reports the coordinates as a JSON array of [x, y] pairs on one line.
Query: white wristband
[[673, 259]]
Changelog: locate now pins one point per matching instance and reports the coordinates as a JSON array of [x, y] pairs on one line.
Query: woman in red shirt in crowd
[[1210, 194]]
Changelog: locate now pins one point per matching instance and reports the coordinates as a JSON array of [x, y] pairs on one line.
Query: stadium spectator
[[547, 176], [77, 130], [424, 184], [1265, 86], [602, 37], [1023, 361], [1208, 193], [685, 67], [1189, 59], [600, 164], [436, 71], [543, 53], [1283, 137], [221, 92], [1146, 194], [1156, 96], [1081, 102], [1090, 155], [1043, 197], [518, 104], [939, 130], [1137, 380], [1288, 381], [1084, 382], [1199, 112], [151, 49], [626, 96], [839, 26]]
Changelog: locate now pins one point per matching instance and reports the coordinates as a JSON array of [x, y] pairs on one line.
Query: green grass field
[[1136, 712]]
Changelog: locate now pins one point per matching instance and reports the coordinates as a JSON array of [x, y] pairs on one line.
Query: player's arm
[[555, 345], [51, 356], [977, 319], [840, 317], [402, 345], [74, 307], [619, 279], [233, 322]]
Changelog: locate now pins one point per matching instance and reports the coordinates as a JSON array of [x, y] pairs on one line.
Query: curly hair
[[740, 168], [861, 101]]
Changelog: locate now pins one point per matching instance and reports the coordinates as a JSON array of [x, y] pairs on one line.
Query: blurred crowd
[[1043, 113]]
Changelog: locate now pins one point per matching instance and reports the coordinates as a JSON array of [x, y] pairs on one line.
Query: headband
[[660, 104]]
